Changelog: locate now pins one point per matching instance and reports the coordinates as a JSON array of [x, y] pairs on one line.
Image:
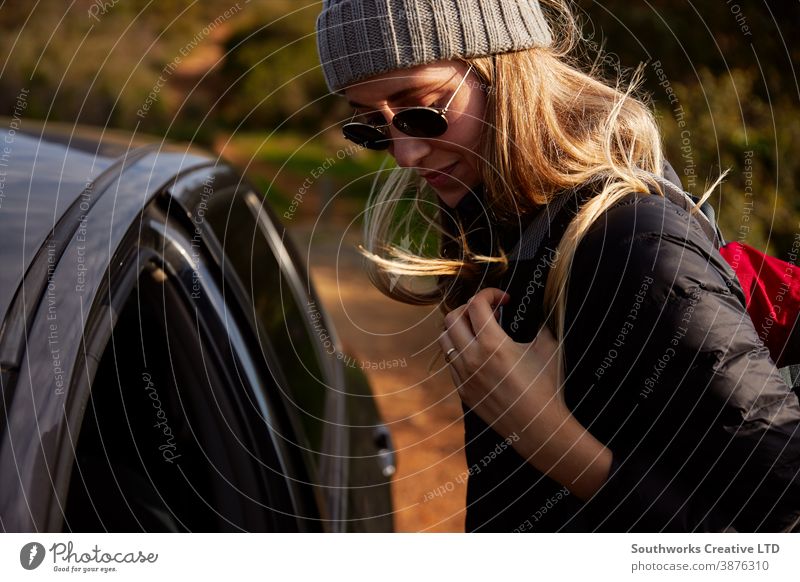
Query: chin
[[451, 198]]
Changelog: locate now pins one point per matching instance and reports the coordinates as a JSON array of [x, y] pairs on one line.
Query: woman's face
[[449, 163]]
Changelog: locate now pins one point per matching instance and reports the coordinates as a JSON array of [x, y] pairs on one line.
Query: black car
[[166, 365]]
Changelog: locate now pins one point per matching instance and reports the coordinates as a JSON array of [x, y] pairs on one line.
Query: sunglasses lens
[[420, 122], [415, 122], [365, 136]]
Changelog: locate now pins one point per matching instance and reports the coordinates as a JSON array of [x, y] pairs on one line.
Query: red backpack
[[772, 289], [771, 286]]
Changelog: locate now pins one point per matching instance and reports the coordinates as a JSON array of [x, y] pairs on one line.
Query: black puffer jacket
[[665, 367]]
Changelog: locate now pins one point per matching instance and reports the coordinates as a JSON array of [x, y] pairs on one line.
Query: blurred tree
[[274, 67], [103, 62], [731, 64]]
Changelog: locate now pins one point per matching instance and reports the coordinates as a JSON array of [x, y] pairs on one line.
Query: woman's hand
[[508, 384], [516, 388]]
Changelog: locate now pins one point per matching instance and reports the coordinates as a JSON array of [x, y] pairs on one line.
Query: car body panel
[[69, 255], [41, 396]]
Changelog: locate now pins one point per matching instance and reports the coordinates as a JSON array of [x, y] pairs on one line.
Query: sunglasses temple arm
[[453, 96]]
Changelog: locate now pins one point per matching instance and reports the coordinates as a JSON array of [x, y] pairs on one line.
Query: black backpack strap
[[705, 218], [539, 228], [791, 375]]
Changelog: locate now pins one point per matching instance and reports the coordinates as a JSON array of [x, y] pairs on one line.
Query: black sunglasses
[[422, 122]]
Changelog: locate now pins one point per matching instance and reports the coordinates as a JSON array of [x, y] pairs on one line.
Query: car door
[[134, 400], [164, 381], [346, 447]]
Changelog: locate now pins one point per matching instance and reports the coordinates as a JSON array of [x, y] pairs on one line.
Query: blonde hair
[[549, 127]]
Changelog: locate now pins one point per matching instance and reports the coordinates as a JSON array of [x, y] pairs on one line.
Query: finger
[[445, 340], [493, 295], [481, 311], [453, 315], [449, 351], [449, 320], [459, 329]]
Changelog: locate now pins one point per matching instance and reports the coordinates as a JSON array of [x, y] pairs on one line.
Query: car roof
[[44, 170]]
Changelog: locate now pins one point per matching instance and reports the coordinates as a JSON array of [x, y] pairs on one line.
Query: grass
[[299, 155], [283, 164]]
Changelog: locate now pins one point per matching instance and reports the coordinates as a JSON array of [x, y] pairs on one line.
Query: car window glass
[[282, 314]]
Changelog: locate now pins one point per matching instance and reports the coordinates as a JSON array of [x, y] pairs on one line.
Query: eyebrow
[[400, 95]]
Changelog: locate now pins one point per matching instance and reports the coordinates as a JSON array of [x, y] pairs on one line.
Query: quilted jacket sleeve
[[665, 367]]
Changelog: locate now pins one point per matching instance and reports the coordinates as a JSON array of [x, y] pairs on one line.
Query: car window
[[283, 312]]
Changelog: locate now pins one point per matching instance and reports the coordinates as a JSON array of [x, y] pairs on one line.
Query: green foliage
[[273, 65], [731, 64], [758, 203], [292, 164]]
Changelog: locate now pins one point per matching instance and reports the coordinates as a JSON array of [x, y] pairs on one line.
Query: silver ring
[[447, 354]]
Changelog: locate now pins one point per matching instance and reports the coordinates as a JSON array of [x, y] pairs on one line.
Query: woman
[[669, 414]]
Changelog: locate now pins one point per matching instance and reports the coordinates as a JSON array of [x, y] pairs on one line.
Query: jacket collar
[[484, 235]]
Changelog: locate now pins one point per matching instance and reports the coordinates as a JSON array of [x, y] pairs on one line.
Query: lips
[[437, 178]]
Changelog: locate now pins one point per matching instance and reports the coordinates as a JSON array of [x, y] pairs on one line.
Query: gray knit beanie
[[357, 39]]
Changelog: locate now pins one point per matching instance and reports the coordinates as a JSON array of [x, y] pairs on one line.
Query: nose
[[408, 151]]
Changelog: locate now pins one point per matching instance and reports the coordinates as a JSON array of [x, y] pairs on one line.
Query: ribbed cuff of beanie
[[358, 39]]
